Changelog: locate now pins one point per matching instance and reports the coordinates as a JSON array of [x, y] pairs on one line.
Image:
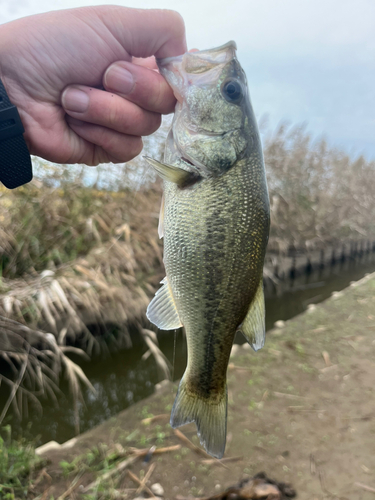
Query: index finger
[[145, 33]]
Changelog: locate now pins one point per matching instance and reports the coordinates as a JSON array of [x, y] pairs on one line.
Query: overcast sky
[[306, 60]]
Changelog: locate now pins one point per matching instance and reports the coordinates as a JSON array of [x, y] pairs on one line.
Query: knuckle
[[138, 146], [153, 122], [104, 138], [175, 41], [133, 148], [117, 146], [177, 22], [162, 99], [160, 96], [114, 117]]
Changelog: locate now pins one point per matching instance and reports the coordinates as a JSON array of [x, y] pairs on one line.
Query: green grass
[[17, 464]]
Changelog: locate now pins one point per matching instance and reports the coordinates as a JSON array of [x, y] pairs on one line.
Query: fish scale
[[229, 282], [215, 224]]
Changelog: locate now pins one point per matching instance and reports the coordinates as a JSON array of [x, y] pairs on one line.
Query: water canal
[[124, 378]]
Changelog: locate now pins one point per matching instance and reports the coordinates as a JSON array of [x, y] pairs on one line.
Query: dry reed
[[318, 194], [35, 364]]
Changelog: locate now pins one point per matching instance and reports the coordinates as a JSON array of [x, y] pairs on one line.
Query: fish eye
[[232, 91]]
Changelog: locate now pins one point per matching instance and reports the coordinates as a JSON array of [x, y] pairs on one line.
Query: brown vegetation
[[72, 257], [318, 194], [116, 233], [36, 363]]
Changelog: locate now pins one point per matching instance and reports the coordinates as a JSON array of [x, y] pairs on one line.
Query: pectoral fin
[[172, 173], [162, 309], [253, 326]]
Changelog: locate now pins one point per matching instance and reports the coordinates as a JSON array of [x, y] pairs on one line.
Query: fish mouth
[[231, 45]]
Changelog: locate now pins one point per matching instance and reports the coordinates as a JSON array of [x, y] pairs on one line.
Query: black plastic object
[[15, 161]]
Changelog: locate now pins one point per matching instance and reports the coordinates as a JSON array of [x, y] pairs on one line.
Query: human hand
[[53, 65]]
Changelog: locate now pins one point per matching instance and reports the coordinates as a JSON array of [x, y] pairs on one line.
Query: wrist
[[11, 42], [15, 162]]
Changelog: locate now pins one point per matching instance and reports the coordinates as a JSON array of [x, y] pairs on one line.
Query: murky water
[[124, 378]]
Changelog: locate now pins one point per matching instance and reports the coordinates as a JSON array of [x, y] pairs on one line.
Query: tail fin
[[210, 418]]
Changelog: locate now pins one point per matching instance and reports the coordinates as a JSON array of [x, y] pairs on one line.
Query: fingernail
[[119, 80], [75, 100]]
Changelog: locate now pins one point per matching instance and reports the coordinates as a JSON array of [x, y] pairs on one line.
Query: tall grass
[[45, 227], [318, 194]]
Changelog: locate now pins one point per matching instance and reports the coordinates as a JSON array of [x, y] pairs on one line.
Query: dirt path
[[302, 409]]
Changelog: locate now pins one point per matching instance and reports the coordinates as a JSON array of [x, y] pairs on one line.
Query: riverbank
[[79, 265], [302, 409]]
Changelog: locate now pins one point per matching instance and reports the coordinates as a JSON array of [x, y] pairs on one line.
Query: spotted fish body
[[215, 222]]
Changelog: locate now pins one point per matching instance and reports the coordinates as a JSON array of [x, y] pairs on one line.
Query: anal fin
[[253, 327], [162, 310]]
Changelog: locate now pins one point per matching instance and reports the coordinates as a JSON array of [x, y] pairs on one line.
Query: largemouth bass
[[215, 222]]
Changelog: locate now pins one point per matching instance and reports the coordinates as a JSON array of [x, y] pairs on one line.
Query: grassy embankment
[[301, 409]]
